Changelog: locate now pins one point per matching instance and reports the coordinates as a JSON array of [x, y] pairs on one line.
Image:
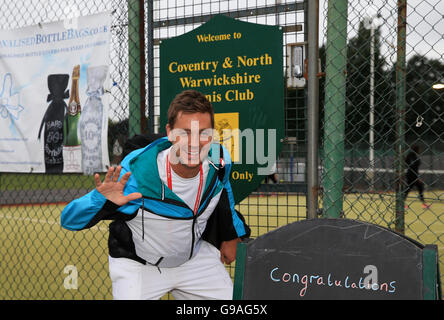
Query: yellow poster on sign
[[227, 126]]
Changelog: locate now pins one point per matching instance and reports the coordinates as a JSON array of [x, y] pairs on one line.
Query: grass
[[36, 249]]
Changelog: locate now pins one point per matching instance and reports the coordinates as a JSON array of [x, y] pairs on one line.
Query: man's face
[[191, 138]]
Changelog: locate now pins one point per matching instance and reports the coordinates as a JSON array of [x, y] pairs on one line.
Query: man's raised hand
[[112, 188]]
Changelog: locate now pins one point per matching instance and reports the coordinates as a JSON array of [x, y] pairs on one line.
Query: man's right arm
[[87, 211], [106, 202]]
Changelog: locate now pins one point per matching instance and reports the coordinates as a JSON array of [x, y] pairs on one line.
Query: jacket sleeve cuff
[[110, 206]]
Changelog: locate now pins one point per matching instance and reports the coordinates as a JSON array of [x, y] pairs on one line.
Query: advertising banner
[[53, 109]]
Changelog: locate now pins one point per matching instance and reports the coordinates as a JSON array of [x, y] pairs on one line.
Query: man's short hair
[[189, 101]]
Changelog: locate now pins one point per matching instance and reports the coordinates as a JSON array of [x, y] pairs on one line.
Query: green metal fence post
[[150, 64], [336, 55], [312, 109], [136, 67], [400, 114], [239, 274]]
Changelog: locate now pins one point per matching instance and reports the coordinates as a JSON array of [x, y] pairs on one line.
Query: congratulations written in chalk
[[307, 280], [229, 71]]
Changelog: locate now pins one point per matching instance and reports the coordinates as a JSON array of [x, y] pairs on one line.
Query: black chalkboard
[[334, 259]]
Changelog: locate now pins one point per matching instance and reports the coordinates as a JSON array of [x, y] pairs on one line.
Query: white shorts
[[202, 277]]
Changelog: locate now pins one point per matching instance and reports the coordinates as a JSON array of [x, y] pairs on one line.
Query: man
[[173, 209], [413, 162]]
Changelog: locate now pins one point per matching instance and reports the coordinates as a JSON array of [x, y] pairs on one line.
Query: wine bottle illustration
[[53, 123], [74, 109], [91, 121], [71, 142]]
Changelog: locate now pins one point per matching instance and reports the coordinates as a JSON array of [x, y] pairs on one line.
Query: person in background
[[413, 162]]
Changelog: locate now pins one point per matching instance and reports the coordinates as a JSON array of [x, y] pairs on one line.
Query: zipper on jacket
[[143, 221], [193, 237]]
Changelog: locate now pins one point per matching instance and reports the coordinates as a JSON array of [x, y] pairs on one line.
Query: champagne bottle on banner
[[71, 142], [91, 121], [73, 114], [53, 123]]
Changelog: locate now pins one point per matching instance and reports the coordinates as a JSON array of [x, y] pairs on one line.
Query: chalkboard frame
[[430, 268]]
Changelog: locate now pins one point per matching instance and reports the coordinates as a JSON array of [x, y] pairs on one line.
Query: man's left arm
[[226, 226], [237, 221]]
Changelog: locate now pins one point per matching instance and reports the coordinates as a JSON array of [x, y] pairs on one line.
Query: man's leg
[[203, 277], [132, 280], [420, 187], [408, 187]]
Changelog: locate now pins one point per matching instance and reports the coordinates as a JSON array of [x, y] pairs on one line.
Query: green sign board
[[239, 67]]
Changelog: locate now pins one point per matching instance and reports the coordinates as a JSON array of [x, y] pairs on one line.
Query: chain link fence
[[38, 257], [379, 100]]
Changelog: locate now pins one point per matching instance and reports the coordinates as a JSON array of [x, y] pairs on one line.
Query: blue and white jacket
[[159, 228]]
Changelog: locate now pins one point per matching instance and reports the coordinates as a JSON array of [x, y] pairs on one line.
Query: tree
[[422, 101], [358, 91]]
